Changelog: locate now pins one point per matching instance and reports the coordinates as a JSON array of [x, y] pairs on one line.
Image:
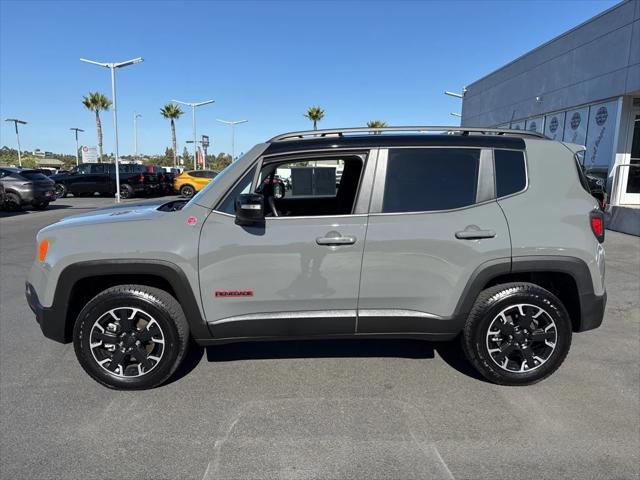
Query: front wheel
[[517, 334], [131, 337]]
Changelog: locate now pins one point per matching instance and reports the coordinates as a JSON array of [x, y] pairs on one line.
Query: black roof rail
[[339, 132]]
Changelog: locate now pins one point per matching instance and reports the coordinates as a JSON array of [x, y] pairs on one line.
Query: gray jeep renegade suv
[[419, 232]]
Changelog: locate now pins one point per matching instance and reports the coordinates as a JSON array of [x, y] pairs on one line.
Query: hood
[[120, 213]]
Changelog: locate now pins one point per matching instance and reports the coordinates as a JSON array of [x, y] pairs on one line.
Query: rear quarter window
[[511, 172]]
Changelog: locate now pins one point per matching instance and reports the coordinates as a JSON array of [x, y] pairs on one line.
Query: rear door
[[433, 221]]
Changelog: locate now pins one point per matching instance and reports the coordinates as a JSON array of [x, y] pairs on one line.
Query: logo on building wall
[[553, 125], [575, 121], [601, 116]]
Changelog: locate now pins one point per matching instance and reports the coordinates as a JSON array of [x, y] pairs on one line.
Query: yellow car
[[192, 181]]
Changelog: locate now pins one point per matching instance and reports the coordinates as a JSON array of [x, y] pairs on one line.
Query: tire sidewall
[[127, 190], [148, 304], [62, 189], [493, 307], [187, 191]]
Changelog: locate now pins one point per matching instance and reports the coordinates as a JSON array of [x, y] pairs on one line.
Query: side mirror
[[249, 209]]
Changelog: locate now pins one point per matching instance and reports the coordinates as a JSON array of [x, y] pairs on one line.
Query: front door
[[298, 275]]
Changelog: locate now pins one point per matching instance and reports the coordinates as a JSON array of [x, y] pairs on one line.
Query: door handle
[[335, 241], [474, 233]]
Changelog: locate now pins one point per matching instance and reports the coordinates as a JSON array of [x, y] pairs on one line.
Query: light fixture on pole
[[233, 134], [16, 122], [135, 134], [193, 106], [112, 67], [76, 130]]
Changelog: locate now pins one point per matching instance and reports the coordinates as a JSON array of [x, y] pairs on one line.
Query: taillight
[[596, 218], [141, 178]]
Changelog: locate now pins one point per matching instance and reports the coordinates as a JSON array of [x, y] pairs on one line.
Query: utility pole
[[16, 122], [233, 134], [77, 146], [112, 67], [135, 134], [193, 106]]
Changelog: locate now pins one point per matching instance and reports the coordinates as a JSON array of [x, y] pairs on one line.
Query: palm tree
[[96, 102], [377, 124], [172, 112], [315, 114]]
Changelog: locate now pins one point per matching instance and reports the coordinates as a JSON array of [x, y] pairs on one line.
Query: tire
[[61, 190], [137, 366], [12, 202], [40, 205], [535, 343], [187, 191], [126, 191]]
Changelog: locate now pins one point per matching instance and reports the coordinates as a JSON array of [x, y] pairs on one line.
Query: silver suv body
[[488, 233]]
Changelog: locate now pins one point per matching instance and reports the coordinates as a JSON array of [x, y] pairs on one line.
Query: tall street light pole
[[76, 130], [233, 134], [16, 122], [135, 134], [193, 106], [112, 67]]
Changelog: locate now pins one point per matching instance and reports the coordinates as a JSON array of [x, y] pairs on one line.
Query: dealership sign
[[554, 126], [89, 154], [601, 134]]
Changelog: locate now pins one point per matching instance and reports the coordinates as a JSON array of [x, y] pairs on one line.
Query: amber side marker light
[[43, 246]]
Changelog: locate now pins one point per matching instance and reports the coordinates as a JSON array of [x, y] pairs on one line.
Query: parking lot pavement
[[326, 409]]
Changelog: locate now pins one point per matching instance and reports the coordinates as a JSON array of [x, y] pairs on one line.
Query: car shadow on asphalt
[[27, 211], [450, 352]]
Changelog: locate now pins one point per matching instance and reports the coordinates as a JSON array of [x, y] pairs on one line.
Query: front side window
[[82, 169], [310, 186], [97, 168], [511, 175], [430, 179]]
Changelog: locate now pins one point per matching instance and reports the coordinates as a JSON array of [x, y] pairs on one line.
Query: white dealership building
[[581, 87]]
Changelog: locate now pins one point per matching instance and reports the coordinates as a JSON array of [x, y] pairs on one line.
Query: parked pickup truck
[[89, 178], [165, 178]]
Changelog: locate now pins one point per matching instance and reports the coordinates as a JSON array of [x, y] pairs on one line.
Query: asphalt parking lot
[[326, 409]]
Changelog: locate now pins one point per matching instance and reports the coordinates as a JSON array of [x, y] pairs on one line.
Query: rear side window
[[33, 175], [430, 179], [511, 175]]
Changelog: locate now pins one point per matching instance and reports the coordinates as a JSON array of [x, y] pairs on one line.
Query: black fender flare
[[591, 305], [57, 315]]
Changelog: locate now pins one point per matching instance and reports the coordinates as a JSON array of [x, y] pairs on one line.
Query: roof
[[399, 137]]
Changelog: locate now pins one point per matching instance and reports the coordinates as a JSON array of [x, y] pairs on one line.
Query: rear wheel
[[131, 337], [61, 190], [126, 191], [187, 191], [517, 334]]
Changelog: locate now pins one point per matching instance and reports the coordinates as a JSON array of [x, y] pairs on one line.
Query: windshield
[[210, 185]]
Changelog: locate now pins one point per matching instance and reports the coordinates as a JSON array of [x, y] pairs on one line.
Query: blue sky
[[262, 61]]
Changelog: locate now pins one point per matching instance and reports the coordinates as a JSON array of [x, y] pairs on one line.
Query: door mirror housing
[[250, 209]]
